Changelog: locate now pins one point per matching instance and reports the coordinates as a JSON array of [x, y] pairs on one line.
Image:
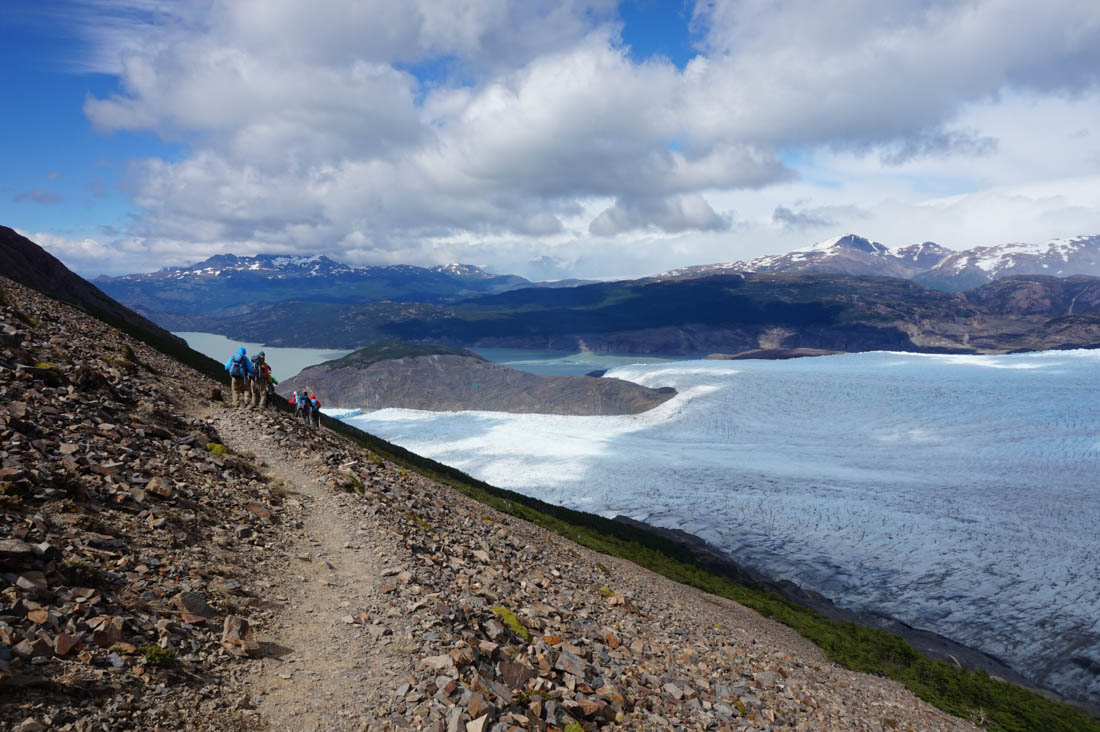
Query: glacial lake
[[284, 362], [960, 494]]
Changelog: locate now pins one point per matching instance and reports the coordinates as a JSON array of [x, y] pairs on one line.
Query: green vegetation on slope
[[973, 695], [390, 350]]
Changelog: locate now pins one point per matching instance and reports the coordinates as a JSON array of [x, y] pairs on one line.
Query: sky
[[577, 138]]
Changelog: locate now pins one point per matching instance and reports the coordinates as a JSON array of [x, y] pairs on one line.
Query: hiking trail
[[323, 667]]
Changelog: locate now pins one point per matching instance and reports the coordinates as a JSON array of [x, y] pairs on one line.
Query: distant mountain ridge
[[226, 284], [928, 263]]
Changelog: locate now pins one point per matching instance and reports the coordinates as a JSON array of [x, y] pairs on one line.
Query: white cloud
[[498, 131], [673, 215]]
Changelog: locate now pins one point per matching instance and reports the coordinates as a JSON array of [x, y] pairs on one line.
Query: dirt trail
[[332, 660]]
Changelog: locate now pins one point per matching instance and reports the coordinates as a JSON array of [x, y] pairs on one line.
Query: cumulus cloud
[[672, 215], [420, 130]]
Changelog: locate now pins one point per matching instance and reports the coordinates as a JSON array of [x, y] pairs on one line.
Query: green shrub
[[157, 656]]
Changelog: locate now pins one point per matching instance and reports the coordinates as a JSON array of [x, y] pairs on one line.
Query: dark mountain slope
[[25, 262]]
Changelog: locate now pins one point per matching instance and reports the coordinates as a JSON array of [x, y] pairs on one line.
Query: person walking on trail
[[239, 368], [302, 407], [261, 381], [315, 409]]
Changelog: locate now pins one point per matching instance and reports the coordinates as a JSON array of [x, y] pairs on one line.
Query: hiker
[[315, 408], [239, 368], [261, 381], [301, 406]]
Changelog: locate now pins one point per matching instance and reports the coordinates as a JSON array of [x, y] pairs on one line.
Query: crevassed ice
[[957, 493]]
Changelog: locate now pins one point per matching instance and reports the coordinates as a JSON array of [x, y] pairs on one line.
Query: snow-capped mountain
[[973, 267], [925, 255], [227, 283], [266, 265], [286, 265], [927, 263], [850, 255]]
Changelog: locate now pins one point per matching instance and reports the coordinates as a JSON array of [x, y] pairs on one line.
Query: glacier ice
[[960, 494]]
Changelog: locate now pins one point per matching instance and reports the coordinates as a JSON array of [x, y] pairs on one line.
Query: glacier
[[959, 494]]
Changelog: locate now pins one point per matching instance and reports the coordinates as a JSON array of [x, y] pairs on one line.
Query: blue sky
[[570, 138]]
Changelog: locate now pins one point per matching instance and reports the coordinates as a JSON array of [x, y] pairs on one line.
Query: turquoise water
[[284, 362]]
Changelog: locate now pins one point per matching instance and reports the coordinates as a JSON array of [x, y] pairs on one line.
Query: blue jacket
[[246, 365]]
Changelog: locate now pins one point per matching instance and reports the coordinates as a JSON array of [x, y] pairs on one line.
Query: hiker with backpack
[[239, 368], [302, 407], [261, 380], [315, 409]]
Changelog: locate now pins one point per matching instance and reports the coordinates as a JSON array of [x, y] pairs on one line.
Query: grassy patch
[[217, 448]]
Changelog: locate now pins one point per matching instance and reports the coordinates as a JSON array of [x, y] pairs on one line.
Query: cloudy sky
[[585, 138]]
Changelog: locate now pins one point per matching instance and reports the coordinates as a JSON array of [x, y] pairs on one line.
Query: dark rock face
[[452, 383], [25, 262]]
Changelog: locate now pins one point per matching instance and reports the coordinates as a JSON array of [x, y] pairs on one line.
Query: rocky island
[[438, 378]]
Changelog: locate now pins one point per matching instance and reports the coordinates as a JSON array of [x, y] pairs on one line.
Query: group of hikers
[[251, 382]]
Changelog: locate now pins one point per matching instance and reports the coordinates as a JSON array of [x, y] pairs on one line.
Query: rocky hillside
[[128, 536], [166, 562], [399, 375]]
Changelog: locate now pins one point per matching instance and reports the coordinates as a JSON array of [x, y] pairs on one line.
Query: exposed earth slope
[[439, 379]]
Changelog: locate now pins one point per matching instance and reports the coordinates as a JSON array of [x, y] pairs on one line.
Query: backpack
[[236, 368], [256, 367]]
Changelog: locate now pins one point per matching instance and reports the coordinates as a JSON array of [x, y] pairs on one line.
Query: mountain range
[[846, 294], [226, 284], [927, 263]]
